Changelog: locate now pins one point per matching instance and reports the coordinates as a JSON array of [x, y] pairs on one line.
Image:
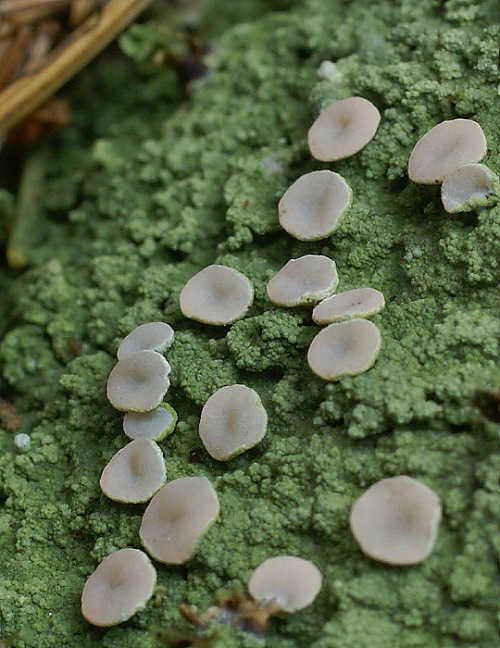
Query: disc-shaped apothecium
[[444, 148], [153, 336], [343, 128], [232, 420], [305, 280], [138, 382], [360, 302], [290, 582], [344, 349], [134, 473], [311, 208], [153, 425], [216, 295], [395, 521], [177, 517], [120, 586], [466, 183]]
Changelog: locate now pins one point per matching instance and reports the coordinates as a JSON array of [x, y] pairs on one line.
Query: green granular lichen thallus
[[130, 217]]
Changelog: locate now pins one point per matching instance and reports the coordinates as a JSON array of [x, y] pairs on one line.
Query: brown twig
[[80, 10], [15, 55], [22, 96]]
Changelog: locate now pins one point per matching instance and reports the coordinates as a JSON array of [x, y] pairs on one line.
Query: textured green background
[[162, 192]]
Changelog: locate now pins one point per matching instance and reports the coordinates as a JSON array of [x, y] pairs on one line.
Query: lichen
[[128, 218]]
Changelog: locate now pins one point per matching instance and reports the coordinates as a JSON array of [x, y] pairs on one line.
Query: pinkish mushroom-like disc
[[360, 302], [153, 336], [120, 586], [232, 420], [290, 582], [311, 208], [134, 473], [304, 280], [154, 425], [466, 184], [343, 128], [444, 148], [176, 518], [139, 382], [344, 349], [216, 295], [395, 521]]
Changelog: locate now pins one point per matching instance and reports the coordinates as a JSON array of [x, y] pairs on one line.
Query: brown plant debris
[[489, 404], [43, 43], [235, 609], [9, 418]]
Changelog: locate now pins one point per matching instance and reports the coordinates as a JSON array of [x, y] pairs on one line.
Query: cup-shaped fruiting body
[[176, 518], [134, 473], [153, 336], [311, 208], [395, 521], [344, 349], [139, 382], [360, 302], [305, 280], [120, 586], [216, 295], [291, 583], [154, 425], [466, 184], [343, 128], [445, 147], [232, 420]]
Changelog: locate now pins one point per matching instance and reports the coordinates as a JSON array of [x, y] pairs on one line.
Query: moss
[[129, 217]]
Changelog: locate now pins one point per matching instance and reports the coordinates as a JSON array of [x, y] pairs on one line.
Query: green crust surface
[[164, 191]]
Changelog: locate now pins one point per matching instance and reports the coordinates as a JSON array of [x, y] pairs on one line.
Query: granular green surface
[[163, 192]]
